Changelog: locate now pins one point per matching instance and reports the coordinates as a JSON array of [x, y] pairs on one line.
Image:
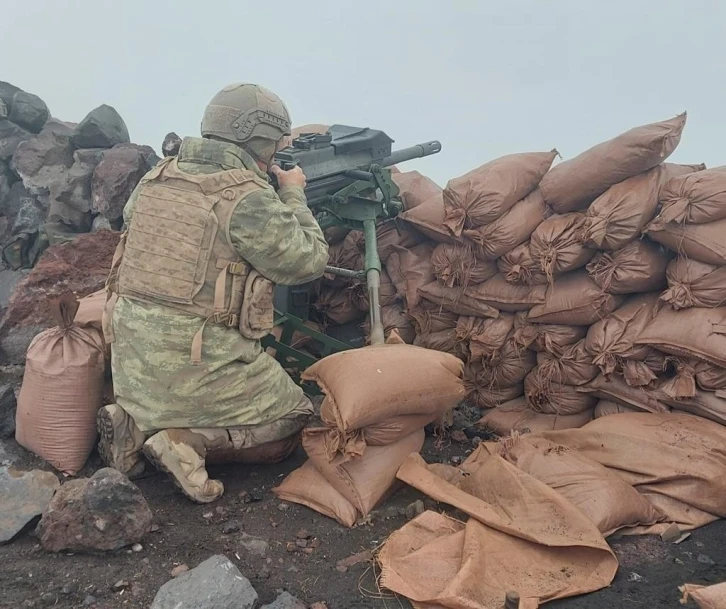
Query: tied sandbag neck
[[63, 311]]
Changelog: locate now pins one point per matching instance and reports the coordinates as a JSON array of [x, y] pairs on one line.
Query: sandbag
[[556, 249], [347, 378], [706, 404], [694, 332], [392, 234], [695, 284], [308, 487], [640, 266], [710, 377], [482, 195], [615, 389], [548, 397], [336, 234], [546, 337], [517, 416], [415, 188], [646, 449], [573, 366], [575, 183], [513, 228], [605, 408], [410, 270], [574, 299], [388, 293], [519, 267], [444, 340], [429, 317], [460, 265], [340, 256], [702, 242], [428, 219], [706, 597], [506, 369], [696, 198], [483, 395], [62, 390], [484, 336], [91, 310], [364, 481], [618, 216], [394, 318], [643, 367], [500, 294], [605, 498], [457, 300], [337, 305], [612, 339]]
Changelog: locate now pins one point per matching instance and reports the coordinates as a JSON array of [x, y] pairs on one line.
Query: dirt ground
[[649, 576]]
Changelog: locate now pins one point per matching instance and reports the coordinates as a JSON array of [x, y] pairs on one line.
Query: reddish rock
[[114, 180]]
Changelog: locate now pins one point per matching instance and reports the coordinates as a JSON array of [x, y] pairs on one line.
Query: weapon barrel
[[414, 152]]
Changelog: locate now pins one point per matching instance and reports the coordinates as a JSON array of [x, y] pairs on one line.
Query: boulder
[[60, 127], [74, 189], [10, 138], [100, 223], [7, 179], [80, 267], [170, 146], [8, 280], [7, 92], [103, 512], [114, 180], [214, 584], [8, 405], [28, 111], [285, 601], [42, 161], [23, 497], [102, 128], [150, 156], [14, 200], [3, 109], [30, 216]]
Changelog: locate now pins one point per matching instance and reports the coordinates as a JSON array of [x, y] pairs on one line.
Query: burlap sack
[[704, 404], [500, 294], [514, 227], [438, 562], [695, 284], [389, 296], [394, 233], [706, 597], [482, 195], [617, 217], [644, 367], [612, 339], [519, 267], [485, 337], [517, 416], [459, 265], [508, 368], [575, 183], [429, 317], [308, 487], [703, 242], [646, 449], [337, 305], [605, 408], [394, 319], [615, 389], [574, 299], [555, 248], [696, 198], [605, 498], [457, 300], [546, 337], [444, 340], [710, 377], [364, 481], [415, 188], [62, 390], [341, 257], [694, 332], [335, 234], [90, 314], [347, 379], [640, 266], [410, 270], [549, 397], [573, 366], [428, 219], [481, 394]]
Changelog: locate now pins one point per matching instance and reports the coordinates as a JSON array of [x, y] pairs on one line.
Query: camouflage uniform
[[237, 383]]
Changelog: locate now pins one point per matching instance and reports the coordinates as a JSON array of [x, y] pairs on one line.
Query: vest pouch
[[257, 313]]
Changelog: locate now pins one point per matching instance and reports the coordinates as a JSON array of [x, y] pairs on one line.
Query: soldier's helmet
[[250, 116]]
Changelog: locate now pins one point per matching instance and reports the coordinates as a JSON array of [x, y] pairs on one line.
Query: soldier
[[190, 297]]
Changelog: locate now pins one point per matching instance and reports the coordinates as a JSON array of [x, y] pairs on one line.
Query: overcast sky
[[486, 78]]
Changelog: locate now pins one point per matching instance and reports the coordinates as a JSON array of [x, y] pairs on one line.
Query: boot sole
[[104, 425]]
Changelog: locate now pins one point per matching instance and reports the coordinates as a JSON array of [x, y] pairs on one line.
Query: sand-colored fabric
[[640, 266], [695, 284], [706, 404], [516, 415], [461, 265], [444, 340], [702, 242], [483, 393], [545, 548], [415, 188], [615, 389], [605, 408], [710, 377], [577, 182], [572, 366], [430, 317], [706, 597], [548, 397], [394, 233], [696, 198], [546, 337], [458, 300], [428, 219], [484, 336], [555, 247], [410, 270], [518, 266]]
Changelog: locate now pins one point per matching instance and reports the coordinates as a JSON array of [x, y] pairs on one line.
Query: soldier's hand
[[293, 177]]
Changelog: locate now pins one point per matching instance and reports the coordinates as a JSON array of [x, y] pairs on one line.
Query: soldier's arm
[[129, 207], [277, 234]]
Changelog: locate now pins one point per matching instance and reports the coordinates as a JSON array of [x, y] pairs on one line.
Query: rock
[[178, 570], [7, 179], [103, 512], [705, 560], [100, 223], [122, 584], [81, 267], [42, 161], [303, 534], [3, 109], [30, 217], [354, 559], [415, 509], [23, 497], [23, 249], [214, 584], [14, 200], [102, 128], [7, 92], [7, 411], [285, 601], [75, 187], [137, 547], [254, 545], [28, 111], [89, 600], [69, 588], [319, 605], [71, 221], [11, 452], [9, 279], [150, 156], [170, 146], [60, 127], [114, 180], [229, 528], [11, 136]]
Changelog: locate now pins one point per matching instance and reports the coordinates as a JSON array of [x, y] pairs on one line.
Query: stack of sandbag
[[378, 400]]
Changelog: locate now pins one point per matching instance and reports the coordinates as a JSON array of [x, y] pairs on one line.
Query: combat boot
[[119, 440], [181, 454]]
